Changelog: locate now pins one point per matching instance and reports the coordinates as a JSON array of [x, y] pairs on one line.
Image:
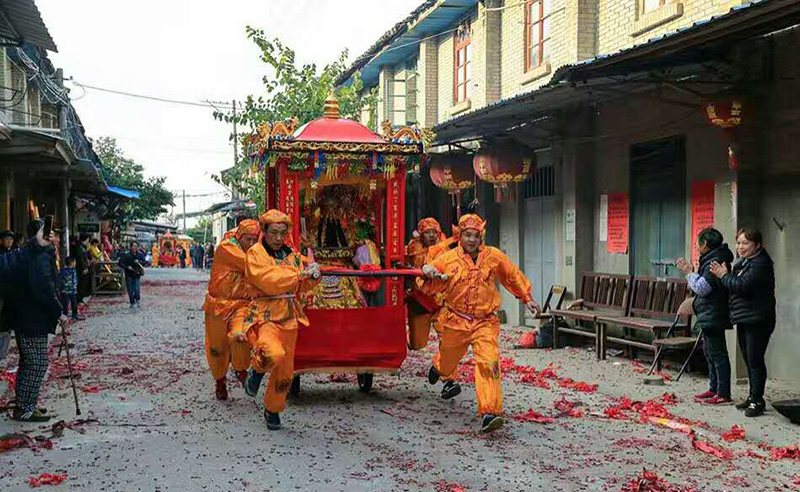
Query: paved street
[[155, 424]]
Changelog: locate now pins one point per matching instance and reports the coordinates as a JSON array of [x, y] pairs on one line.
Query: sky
[[192, 51]]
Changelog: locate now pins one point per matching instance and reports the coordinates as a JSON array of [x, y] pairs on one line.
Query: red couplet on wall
[[618, 223], [702, 213]]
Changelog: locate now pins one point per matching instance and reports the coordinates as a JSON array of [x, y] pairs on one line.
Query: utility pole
[[235, 137], [184, 212]]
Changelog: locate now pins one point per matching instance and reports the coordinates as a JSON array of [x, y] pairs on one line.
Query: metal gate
[[539, 240]]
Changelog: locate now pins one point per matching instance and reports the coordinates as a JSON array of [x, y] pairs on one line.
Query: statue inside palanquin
[[334, 215]]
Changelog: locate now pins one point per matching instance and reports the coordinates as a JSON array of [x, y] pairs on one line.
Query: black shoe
[[253, 382], [743, 405], [33, 416], [755, 409], [491, 423], [451, 390], [273, 420], [433, 375]]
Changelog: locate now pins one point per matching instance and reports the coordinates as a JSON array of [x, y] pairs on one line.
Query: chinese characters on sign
[[702, 213], [617, 223]]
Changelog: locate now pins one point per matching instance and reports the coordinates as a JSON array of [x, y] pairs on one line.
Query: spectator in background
[[199, 256], [19, 241], [68, 288], [108, 248], [95, 251], [6, 241], [6, 245], [751, 288], [182, 255], [37, 314], [711, 309], [210, 253], [131, 263], [82, 266]]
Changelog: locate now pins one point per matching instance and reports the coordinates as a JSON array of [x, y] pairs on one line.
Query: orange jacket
[[438, 250], [279, 284], [227, 287], [470, 291]]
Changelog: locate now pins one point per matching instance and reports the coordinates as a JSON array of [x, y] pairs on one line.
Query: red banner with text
[[618, 223], [702, 213]]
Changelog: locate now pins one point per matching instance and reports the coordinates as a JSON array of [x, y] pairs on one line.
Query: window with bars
[[463, 60], [542, 183], [537, 33]]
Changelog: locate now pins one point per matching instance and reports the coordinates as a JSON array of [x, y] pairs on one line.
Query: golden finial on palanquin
[[331, 108]]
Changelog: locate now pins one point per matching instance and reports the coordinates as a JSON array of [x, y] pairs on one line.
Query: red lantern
[[453, 172], [503, 165], [728, 116]]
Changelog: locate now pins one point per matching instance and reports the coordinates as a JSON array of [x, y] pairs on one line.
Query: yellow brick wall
[[445, 70], [617, 20]]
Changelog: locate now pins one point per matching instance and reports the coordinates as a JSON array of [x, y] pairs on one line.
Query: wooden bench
[[653, 309], [554, 296], [602, 294]]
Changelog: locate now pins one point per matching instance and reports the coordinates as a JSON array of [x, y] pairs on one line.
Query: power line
[[206, 104]]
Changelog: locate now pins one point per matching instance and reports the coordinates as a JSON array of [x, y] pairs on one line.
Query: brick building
[[612, 96]]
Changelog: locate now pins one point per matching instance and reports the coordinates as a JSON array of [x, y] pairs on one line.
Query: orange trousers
[[220, 354], [273, 352], [483, 336], [419, 329]]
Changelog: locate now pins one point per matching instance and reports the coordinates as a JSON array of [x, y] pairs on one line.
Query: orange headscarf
[[248, 227], [472, 221], [428, 224], [274, 217]]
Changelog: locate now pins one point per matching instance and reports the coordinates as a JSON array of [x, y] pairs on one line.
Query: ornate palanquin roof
[[332, 133]]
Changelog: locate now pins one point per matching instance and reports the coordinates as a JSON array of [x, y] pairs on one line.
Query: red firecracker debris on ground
[[669, 399], [9, 377], [650, 482], [568, 408], [445, 486], [91, 389], [785, 453], [47, 479], [735, 434], [532, 416], [711, 449]]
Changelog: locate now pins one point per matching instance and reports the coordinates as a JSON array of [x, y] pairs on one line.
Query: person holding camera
[[131, 263], [711, 309], [751, 287], [37, 313]]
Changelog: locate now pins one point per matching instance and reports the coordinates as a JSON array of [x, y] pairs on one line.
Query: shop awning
[[20, 21], [131, 194], [402, 41]]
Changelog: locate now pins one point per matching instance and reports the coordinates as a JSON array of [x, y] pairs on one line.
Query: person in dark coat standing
[[82, 266], [131, 263], [37, 313], [751, 287], [711, 310]]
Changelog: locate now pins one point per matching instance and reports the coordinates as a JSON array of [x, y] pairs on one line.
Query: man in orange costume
[[465, 276], [274, 317], [227, 292], [431, 243]]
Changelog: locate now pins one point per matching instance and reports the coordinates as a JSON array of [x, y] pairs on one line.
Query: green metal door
[[658, 201]]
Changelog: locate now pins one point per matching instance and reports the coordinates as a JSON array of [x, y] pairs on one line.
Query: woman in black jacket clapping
[[751, 286]]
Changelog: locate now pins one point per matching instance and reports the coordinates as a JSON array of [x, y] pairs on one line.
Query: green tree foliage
[[290, 91], [123, 172], [202, 231]]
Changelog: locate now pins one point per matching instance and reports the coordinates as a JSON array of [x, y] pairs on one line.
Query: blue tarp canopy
[[133, 195]]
